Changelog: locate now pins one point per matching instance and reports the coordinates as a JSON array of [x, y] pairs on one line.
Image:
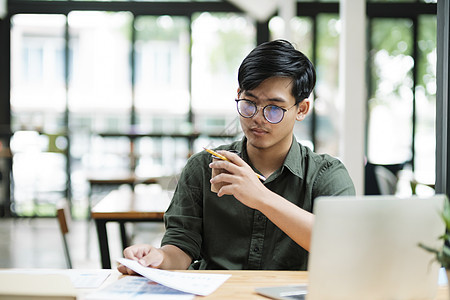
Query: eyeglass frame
[[263, 110]]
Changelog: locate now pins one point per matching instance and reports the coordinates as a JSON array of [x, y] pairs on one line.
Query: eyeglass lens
[[272, 113]]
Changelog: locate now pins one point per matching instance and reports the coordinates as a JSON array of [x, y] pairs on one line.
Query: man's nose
[[259, 116]]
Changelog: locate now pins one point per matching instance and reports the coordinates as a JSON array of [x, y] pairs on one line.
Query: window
[[176, 72], [38, 103], [219, 44], [402, 94], [390, 104]]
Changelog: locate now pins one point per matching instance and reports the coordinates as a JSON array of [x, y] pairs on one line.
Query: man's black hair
[[278, 59]]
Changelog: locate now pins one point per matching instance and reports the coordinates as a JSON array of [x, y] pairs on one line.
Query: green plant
[[442, 254]]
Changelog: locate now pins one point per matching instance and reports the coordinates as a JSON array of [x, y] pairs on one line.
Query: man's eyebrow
[[280, 100], [249, 94]]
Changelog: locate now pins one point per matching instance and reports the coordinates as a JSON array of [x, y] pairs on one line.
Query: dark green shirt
[[222, 233]]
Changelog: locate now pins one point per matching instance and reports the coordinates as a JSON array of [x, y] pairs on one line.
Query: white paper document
[[85, 279], [138, 288], [195, 283]]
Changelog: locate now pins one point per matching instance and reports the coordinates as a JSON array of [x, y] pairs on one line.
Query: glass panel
[[327, 68], [99, 96], [38, 98], [425, 141], [390, 104], [38, 104], [162, 92], [219, 44], [100, 80], [162, 69], [39, 174], [301, 29]]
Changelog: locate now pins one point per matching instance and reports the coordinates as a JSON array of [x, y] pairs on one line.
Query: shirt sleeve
[[183, 219], [332, 180]]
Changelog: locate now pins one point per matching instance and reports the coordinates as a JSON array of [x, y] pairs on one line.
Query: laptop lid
[[366, 247]]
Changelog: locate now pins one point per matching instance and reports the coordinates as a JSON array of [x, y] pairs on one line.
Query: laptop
[[366, 247]]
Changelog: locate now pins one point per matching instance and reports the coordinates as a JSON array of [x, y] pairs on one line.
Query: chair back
[[64, 228], [387, 181]]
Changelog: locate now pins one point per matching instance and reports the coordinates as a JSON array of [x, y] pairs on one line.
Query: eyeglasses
[[272, 113]]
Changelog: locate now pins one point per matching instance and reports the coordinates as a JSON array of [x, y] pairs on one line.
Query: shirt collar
[[241, 146], [293, 161]]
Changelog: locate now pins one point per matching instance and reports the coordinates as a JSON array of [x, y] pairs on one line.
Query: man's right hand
[[146, 255], [168, 257]]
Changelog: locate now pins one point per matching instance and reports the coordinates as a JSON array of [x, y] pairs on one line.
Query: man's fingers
[[223, 178], [124, 270], [232, 157], [132, 253], [136, 252], [226, 165], [146, 255], [153, 259]]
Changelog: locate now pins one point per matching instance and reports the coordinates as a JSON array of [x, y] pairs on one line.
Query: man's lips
[[258, 131]]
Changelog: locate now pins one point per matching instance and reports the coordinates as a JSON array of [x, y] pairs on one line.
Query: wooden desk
[[116, 179], [127, 178], [242, 284], [126, 206]]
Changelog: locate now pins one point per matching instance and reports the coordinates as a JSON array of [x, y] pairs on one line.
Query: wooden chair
[[62, 220]]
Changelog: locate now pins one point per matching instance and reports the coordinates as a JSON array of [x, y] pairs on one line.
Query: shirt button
[[256, 249]]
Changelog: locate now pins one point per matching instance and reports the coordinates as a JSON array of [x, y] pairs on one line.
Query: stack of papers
[[62, 284], [192, 283], [138, 288]]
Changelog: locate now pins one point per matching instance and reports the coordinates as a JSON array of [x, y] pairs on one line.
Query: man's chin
[[257, 144]]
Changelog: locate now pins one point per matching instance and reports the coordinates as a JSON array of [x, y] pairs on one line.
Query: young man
[[251, 224]]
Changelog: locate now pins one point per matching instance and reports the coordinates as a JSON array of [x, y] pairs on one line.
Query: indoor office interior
[[99, 90]]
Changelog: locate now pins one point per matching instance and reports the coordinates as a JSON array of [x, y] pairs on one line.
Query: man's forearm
[[293, 220]]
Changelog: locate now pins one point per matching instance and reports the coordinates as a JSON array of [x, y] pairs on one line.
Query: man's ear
[[302, 110], [238, 90]]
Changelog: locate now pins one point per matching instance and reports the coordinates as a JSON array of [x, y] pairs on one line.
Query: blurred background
[[113, 87]]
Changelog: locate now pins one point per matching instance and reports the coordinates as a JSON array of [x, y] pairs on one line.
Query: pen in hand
[[220, 156]]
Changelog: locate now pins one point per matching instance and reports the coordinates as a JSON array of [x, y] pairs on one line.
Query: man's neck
[[268, 160]]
